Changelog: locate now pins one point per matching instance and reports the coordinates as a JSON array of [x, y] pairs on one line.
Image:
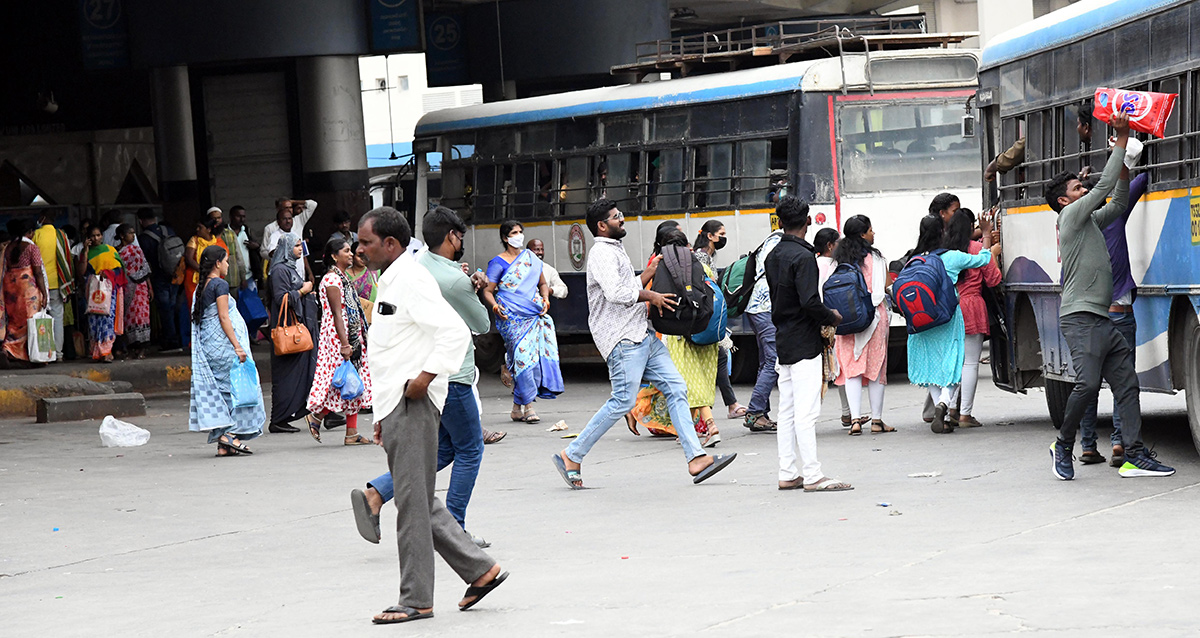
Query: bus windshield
[[906, 146]]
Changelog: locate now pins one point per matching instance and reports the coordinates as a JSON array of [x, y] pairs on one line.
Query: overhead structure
[[783, 41]]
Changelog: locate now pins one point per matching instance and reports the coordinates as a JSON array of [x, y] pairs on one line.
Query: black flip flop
[[228, 444], [368, 523], [719, 463], [480, 592], [410, 614]]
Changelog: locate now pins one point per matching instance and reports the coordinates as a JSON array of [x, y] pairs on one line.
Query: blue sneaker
[[1144, 464], [1061, 456]]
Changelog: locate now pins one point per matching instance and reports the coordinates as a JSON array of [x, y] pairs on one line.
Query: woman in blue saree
[[221, 342], [519, 298]]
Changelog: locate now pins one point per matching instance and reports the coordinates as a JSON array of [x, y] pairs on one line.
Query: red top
[[970, 293]]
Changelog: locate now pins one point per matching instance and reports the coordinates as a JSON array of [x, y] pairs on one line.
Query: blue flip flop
[[569, 476]]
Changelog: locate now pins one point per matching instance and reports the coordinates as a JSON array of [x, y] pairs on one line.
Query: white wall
[[407, 86]]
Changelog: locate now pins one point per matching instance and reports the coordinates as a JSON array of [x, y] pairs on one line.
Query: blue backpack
[[846, 292], [717, 324], [924, 293]]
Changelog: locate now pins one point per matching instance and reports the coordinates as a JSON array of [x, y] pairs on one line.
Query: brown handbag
[[292, 338]]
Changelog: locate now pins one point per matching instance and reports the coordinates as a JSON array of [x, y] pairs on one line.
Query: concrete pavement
[[165, 539]]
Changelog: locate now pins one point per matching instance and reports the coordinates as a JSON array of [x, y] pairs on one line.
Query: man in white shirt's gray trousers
[[417, 341]]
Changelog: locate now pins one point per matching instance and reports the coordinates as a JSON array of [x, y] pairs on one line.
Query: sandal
[[409, 614], [737, 411], [517, 413], [314, 428], [357, 439], [969, 422], [530, 415], [229, 444], [224, 452], [828, 485], [879, 427], [573, 478], [712, 436], [482, 590], [856, 426], [493, 437], [631, 423]]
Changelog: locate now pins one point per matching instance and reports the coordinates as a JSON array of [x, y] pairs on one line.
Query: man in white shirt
[[417, 342], [245, 244], [558, 287], [290, 217]]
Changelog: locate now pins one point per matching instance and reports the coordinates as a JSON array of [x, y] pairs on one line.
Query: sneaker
[[1061, 456], [1144, 464]]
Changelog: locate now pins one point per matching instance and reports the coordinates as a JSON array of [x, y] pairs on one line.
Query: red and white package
[[1148, 112]]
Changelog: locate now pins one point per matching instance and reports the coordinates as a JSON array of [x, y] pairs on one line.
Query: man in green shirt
[[1097, 347], [460, 437]]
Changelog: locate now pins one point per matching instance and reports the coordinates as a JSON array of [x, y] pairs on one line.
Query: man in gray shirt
[[617, 317], [1097, 347]]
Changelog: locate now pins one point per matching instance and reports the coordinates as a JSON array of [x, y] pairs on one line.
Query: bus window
[[538, 138], [524, 189], [754, 178], [1068, 69], [485, 193], [1068, 124], [1133, 41], [714, 169], [626, 129], [497, 143], [505, 177], [670, 126], [1098, 53], [1169, 37], [1037, 78], [573, 186], [1034, 149], [622, 185], [1012, 84], [544, 201], [903, 147], [454, 193], [576, 134], [670, 182], [1170, 151]]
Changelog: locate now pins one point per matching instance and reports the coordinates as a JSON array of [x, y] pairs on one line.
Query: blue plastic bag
[[346, 379], [244, 379]]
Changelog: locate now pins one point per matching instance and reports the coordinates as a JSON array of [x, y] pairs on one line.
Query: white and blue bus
[[878, 134], [1033, 81]]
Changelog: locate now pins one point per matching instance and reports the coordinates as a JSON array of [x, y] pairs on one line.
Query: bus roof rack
[[781, 42]]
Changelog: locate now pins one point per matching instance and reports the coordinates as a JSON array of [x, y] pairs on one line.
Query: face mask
[[720, 243], [516, 241], [457, 255]]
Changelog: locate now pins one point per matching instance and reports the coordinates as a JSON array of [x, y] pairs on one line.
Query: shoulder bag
[[292, 337]]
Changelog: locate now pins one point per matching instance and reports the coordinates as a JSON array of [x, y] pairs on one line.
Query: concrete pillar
[[333, 149], [422, 195], [998, 16], [174, 144]]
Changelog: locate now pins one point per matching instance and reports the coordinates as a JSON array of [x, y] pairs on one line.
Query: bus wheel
[[1191, 381], [1056, 400], [489, 352]]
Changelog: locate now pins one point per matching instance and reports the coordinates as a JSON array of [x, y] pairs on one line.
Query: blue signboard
[[395, 26], [446, 52], [104, 34]]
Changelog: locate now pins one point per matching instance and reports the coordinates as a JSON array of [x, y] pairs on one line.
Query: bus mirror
[[968, 126]]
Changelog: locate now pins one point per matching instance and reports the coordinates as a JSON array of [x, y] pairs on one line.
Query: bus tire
[[1191, 382], [489, 353], [1057, 393]]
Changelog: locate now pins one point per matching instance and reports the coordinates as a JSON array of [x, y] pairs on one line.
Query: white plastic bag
[[118, 433], [39, 338]]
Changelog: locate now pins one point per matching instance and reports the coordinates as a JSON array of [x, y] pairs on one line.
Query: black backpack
[[680, 273]]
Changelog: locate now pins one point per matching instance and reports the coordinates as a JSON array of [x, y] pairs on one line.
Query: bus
[[1033, 81], [876, 133]]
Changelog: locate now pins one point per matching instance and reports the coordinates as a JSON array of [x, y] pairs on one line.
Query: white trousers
[[799, 407], [853, 390], [56, 312], [972, 348]]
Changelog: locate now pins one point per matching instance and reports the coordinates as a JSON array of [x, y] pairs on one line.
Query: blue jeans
[[628, 364], [166, 295], [1126, 325], [460, 441], [768, 377]]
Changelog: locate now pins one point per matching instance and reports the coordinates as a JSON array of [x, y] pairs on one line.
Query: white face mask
[[516, 241]]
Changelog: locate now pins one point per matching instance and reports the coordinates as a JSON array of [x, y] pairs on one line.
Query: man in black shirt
[[798, 314]]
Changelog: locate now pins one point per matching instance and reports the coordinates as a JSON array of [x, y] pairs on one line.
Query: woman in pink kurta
[[975, 318], [862, 358]]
